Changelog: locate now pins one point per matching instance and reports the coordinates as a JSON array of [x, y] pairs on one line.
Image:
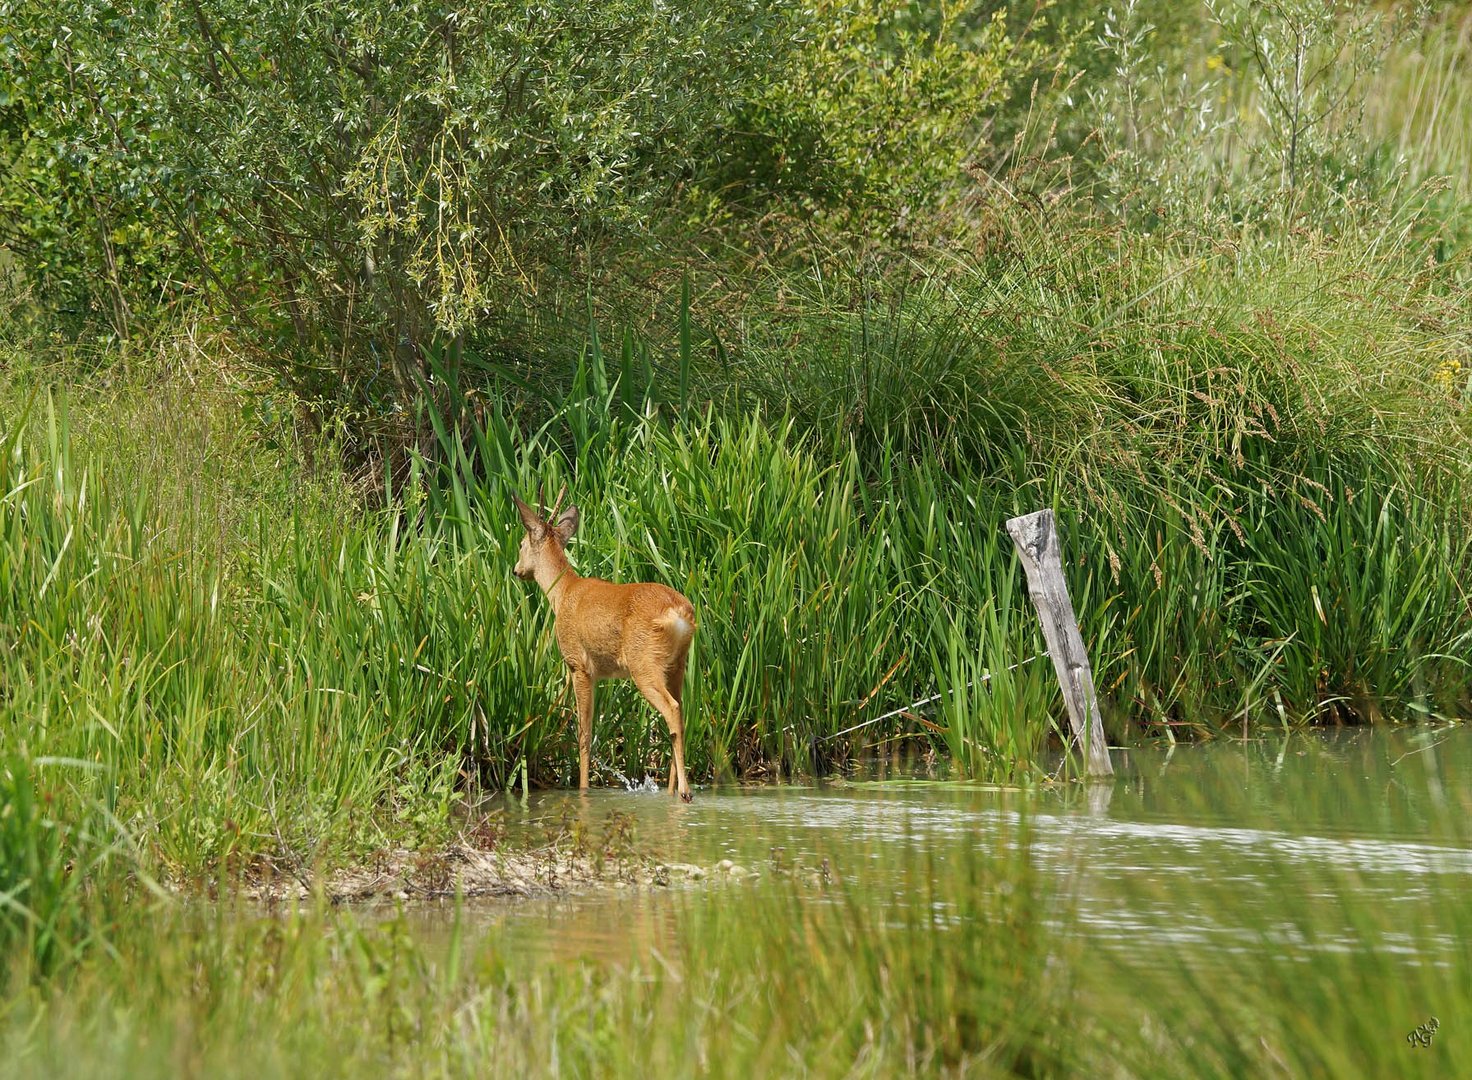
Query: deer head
[[545, 540]]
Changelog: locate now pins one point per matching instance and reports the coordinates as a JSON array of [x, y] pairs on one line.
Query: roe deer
[[609, 631]]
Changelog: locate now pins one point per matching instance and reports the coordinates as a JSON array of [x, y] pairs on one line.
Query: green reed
[[351, 676], [1261, 485]]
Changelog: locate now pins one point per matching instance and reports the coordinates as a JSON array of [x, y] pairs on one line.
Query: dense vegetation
[[801, 302]]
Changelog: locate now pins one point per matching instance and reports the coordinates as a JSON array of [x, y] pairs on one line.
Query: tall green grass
[[319, 679], [1248, 442], [332, 680], [1260, 472]]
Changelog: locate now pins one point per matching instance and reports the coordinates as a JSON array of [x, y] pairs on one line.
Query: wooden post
[[1036, 537]]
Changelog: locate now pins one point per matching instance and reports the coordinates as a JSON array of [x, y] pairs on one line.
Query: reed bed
[[1264, 509], [1255, 433]]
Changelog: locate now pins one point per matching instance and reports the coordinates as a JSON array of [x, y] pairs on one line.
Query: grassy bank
[[1259, 459]]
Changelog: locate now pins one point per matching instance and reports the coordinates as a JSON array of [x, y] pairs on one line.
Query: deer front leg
[[582, 688]]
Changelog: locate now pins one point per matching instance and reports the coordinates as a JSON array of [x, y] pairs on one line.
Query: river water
[[1280, 842]]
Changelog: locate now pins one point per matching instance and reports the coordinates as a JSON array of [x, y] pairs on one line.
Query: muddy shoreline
[[471, 870]]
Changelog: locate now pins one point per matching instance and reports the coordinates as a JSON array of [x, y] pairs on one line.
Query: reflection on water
[[1192, 845]]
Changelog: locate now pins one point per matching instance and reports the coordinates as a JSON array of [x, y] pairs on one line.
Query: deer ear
[[567, 524], [529, 517]]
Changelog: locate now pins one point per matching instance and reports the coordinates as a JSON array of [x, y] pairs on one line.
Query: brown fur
[[610, 631]]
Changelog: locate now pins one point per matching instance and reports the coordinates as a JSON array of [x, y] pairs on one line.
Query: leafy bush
[[352, 182], [367, 189], [880, 112]]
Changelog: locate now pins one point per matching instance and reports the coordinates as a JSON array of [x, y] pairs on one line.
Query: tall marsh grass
[[1248, 442], [343, 679], [1263, 493]]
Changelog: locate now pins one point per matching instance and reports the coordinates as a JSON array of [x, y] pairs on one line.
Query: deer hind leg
[[582, 688], [674, 682], [657, 693]]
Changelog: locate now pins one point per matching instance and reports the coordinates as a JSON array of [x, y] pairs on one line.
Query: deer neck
[[554, 574]]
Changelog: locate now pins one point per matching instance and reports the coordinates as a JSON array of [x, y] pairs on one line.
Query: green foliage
[[80, 195], [365, 188], [55, 851], [880, 111], [352, 183]]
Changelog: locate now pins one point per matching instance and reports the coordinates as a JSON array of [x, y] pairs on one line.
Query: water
[[1274, 843]]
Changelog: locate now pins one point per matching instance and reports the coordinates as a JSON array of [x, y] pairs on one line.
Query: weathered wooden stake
[[1036, 537]]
